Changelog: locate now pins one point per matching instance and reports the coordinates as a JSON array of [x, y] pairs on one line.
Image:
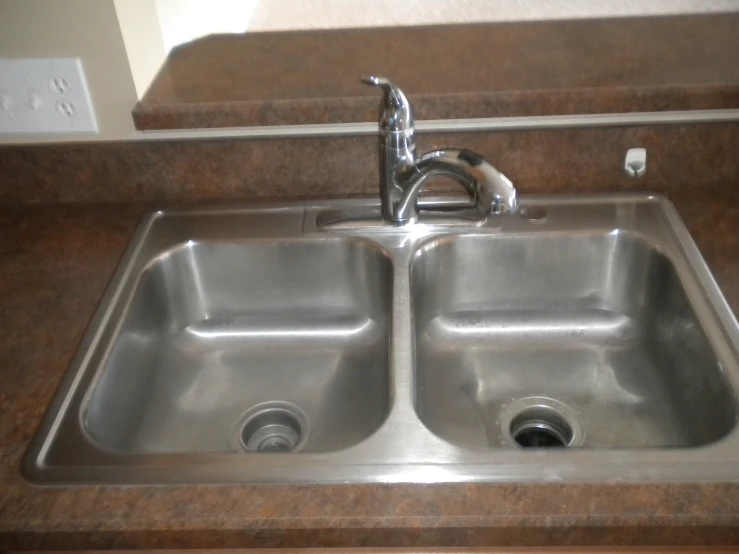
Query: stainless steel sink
[[582, 339], [587, 338], [221, 340]]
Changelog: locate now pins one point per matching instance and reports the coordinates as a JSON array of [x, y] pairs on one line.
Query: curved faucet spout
[[403, 175], [492, 191]]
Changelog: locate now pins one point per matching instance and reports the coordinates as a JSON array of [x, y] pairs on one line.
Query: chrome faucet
[[403, 175]]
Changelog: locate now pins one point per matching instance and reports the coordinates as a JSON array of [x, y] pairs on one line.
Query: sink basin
[[581, 340], [597, 322], [217, 333]]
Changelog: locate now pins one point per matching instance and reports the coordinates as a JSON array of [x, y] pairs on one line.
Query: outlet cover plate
[[45, 96]]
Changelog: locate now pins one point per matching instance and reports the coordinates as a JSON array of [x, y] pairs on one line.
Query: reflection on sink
[[598, 322], [216, 329]]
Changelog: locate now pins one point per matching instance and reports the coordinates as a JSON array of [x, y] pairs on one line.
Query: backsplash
[[538, 161]]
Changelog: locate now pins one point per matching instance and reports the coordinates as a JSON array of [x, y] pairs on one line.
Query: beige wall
[[271, 15], [184, 20], [87, 29], [142, 37]]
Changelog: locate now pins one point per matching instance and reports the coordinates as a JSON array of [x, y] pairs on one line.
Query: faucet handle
[[395, 110], [376, 81]]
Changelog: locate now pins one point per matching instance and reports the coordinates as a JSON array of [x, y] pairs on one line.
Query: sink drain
[[271, 428], [540, 427], [539, 422]]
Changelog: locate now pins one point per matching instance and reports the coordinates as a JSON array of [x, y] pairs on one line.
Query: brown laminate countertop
[[56, 260], [450, 71]]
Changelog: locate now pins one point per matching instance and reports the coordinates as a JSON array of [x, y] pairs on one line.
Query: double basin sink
[[582, 339]]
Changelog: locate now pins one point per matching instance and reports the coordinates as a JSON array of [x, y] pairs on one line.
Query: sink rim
[[361, 463]]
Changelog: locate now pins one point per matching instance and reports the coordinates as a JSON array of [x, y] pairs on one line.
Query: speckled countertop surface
[[56, 261], [449, 71]]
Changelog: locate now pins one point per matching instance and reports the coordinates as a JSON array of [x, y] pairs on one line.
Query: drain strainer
[[271, 428], [540, 422]]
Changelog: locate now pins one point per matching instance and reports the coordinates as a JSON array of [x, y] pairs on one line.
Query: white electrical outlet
[[45, 96]]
